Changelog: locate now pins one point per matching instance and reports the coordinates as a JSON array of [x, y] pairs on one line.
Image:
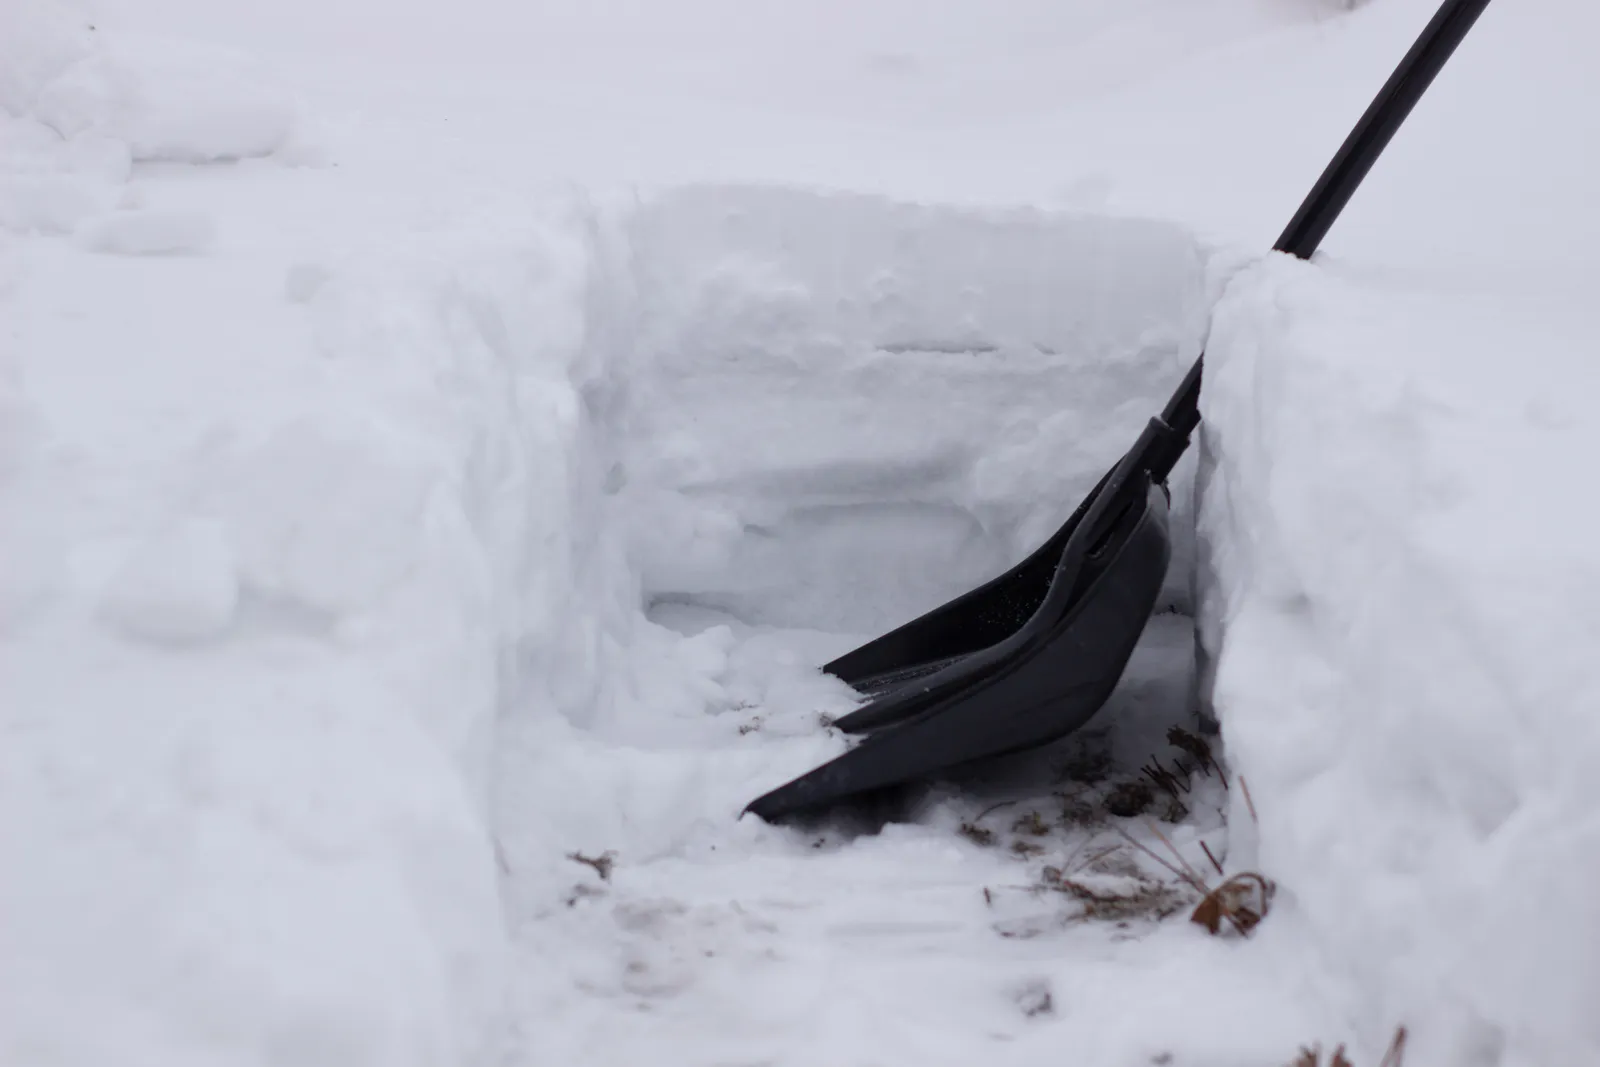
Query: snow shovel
[[1032, 655]]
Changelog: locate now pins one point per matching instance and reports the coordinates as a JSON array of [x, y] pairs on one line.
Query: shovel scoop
[[1032, 655]]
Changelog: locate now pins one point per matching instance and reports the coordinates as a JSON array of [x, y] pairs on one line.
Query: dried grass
[[1311, 1056]]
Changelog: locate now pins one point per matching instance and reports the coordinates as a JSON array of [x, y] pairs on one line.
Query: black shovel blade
[[1037, 682], [978, 619], [1032, 655]]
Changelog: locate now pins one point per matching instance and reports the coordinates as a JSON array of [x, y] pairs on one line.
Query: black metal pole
[[1350, 165]]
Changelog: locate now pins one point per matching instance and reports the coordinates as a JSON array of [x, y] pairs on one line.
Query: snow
[[148, 233], [180, 586], [438, 445], [1398, 575], [1428, 679], [761, 315], [78, 107]]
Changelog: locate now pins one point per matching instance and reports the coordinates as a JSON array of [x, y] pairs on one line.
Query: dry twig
[[1198, 747], [1311, 1056], [1243, 900], [1397, 1050], [602, 864]]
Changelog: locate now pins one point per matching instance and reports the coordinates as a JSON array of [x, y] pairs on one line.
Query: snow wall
[[1399, 589], [1398, 561]]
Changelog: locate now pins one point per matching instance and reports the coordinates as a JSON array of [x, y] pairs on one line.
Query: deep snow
[[428, 458], [1429, 666]]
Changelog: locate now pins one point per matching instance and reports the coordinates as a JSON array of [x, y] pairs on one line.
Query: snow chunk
[[170, 100], [78, 107], [179, 587], [38, 40]]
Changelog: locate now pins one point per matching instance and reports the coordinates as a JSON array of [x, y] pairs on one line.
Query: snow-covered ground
[[441, 441]]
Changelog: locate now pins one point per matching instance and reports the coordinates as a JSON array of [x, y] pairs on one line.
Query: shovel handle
[[1380, 122], [1342, 177]]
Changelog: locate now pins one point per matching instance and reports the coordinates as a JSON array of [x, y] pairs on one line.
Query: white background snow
[[437, 440]]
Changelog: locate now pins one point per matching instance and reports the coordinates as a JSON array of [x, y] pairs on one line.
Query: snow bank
[[256, 640], [1401, 614], [79, 105]]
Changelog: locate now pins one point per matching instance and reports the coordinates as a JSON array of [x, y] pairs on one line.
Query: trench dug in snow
[[805, 419]]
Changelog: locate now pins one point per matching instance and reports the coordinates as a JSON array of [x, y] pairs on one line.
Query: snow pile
[[79, 105], [1401, 568], [1401, 611]]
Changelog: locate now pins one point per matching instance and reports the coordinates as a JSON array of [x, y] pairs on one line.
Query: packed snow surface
[[438, 444]]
